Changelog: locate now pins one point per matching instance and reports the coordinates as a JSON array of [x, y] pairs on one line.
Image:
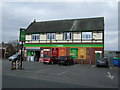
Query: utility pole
[[21, 57]]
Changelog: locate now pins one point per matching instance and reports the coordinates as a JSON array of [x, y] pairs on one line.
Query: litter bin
[[116, 61]]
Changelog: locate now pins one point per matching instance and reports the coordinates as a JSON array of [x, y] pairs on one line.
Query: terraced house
[[83, 39]]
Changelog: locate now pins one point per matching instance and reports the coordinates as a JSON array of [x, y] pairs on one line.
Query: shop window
[[86, 35], [35, 36], [67, 36], [51, 36]]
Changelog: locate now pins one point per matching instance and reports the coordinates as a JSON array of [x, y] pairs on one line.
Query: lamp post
[[22, 40]]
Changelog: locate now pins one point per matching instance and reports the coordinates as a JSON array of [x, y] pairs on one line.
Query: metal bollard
[[18, 64]]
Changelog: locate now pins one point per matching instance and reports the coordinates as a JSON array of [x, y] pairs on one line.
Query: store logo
[[59, 45]]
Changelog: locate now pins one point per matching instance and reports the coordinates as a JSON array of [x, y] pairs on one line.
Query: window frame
[[86, 35], [53, 35], [66, 36], [35, 37]]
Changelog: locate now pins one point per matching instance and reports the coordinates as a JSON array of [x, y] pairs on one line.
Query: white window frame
[[68, 36], [49, 35], [35, 36], [86, 35]]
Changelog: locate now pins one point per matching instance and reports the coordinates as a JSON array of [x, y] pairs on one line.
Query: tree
[[15, 44]]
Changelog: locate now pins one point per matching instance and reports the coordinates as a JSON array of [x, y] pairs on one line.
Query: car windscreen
[[53, 57], [62, 57], [46, 57], [102, 59], [15, 55]]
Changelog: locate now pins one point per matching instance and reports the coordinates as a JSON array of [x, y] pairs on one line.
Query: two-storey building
[[83, 39]]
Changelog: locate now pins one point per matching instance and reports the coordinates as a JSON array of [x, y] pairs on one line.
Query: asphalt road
[[38, 75], [21, 82]]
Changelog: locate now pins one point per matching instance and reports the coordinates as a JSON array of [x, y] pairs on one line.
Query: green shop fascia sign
[[22, 35], [63, 45]]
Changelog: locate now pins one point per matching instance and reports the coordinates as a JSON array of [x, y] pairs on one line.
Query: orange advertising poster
[[62, 52]]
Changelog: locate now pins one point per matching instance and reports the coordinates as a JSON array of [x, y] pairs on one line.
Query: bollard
[[13, 65], [18, 64]]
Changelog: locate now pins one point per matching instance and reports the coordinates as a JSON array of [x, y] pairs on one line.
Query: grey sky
[[20, 15]]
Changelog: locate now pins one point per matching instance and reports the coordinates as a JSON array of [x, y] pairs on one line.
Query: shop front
[[81, 53], [33, 53]]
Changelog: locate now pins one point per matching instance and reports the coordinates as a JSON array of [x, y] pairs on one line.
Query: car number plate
[[102, 62]]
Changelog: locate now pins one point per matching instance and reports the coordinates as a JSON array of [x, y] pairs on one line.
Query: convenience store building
[[83, 39]]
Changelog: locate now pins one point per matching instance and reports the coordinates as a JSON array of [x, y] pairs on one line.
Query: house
[[110, 55], [7, 50], [83, 39]]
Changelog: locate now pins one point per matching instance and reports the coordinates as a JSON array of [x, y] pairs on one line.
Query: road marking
[[63, 72], [110, 68], [110, 76], [93, 66]]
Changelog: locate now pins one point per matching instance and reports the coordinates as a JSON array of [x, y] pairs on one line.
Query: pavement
[[73, 76]]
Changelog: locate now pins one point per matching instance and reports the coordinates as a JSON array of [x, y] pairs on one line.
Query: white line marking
[[110, 76], [110, 68], [93, 66], [63, 72]]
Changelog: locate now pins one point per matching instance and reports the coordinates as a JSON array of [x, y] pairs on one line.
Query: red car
[[41, 60], [50, 60]]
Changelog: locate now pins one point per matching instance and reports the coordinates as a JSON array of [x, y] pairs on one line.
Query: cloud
[[21, 14]]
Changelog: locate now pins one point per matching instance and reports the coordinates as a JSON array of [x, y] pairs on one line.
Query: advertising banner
[[74, 52]]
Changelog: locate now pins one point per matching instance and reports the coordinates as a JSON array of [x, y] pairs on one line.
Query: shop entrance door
[[98, 54], [30, 55], [37, 55]]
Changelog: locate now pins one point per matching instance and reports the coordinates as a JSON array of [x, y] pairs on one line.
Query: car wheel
[[96, 65], [107, 66], [44, 63], [67, 64], [59, 64]]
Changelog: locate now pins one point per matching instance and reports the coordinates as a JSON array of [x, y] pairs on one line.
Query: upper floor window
[[86, 35], [51, 36], [67, 36], [35, 36]]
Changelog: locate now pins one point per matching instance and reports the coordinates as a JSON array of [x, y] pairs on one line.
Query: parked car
[[50, 60], [65, 60], [14, 57], [102, 62]]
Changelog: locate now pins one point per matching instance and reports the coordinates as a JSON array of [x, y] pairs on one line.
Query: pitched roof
[[68, 25]]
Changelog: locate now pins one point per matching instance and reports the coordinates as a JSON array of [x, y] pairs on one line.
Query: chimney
[[34, 20]]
